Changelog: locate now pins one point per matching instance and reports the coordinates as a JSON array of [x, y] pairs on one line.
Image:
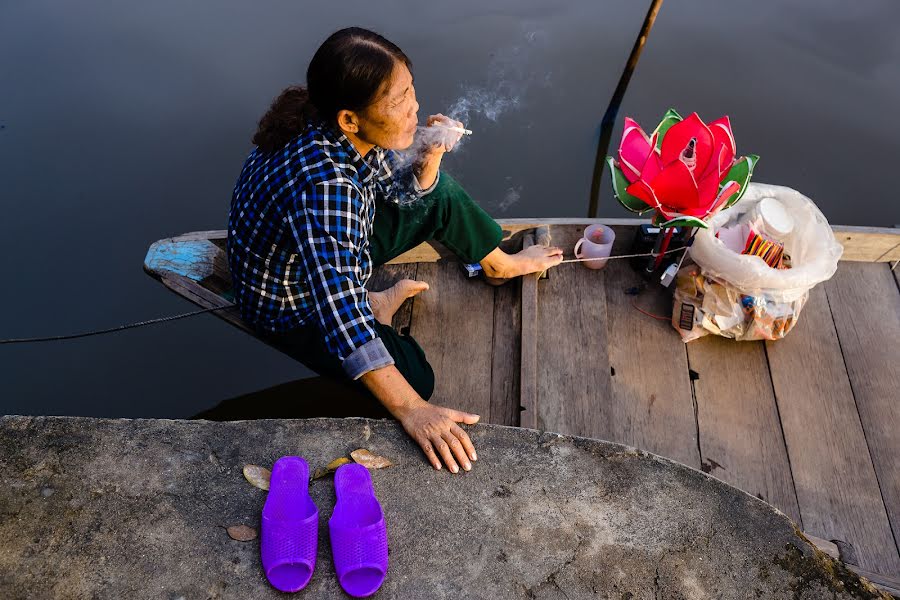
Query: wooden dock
[[809, 423]]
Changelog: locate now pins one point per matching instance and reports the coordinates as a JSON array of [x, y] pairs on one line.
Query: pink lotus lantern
[[686, 170]]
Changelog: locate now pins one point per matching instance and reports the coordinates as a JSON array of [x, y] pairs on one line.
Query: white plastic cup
[[597, 244]]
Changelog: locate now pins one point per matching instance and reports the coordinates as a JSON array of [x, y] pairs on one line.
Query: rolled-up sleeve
[[326, 222]]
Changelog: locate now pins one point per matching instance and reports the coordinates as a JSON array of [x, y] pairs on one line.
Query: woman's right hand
[[436, 430]]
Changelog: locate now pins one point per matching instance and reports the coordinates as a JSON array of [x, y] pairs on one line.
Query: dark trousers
[[450, 216]]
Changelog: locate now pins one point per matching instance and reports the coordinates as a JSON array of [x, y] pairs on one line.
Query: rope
[[571, 260], [73, 336]]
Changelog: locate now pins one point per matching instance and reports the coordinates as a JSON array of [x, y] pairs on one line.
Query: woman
[[324, 198]]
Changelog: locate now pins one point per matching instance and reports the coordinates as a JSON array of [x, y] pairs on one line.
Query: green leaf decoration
[[619, 184], [685, 222], [670, 118], [741, 172]]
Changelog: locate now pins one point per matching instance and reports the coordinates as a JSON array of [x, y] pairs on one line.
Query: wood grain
[[652, 403], [506, 355], [837, 490], [453, 322], [528, 370], [865, 305], [740, 432], [868, 244], [573, 377]]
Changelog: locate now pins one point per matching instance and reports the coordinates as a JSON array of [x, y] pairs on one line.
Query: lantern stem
[[609, 118]]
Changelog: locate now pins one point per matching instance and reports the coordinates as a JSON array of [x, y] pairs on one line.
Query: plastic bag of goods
[[754, 267]]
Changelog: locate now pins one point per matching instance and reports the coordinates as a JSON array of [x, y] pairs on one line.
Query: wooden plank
[[506, 354], [889, 583], [652, 406], [740, 433], [865, 305], [868, 244], [837, 490], [384, 277], [573, 377], [826, 546], [453, 322], [528, 377]]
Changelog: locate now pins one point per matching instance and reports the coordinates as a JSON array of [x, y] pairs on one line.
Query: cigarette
[[452, 128]]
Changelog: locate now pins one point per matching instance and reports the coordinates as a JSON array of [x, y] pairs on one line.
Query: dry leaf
[[369, 460], [330, 467], [257, 476], [241, 533]]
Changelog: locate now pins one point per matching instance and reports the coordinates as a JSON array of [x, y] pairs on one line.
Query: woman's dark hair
[[345, 73]]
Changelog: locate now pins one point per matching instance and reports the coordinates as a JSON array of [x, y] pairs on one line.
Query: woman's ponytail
[[286, 118]]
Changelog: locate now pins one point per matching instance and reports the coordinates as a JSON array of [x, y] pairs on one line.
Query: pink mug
[[597, 243]]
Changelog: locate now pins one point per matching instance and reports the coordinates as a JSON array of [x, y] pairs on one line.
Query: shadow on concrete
[[302, 399]]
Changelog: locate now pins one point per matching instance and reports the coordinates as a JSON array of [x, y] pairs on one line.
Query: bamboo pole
[[609, 118]]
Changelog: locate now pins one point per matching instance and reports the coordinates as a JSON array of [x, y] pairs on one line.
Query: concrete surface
[[99, 508]]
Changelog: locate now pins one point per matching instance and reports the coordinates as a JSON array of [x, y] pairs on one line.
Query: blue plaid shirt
[[298, 245]]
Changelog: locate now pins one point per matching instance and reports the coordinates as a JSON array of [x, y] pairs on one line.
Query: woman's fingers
[[430, 454], [443, 450], [463, 437], [461, 417], [456, 447]]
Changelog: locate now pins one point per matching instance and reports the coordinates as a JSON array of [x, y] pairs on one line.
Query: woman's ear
[[348, 121]]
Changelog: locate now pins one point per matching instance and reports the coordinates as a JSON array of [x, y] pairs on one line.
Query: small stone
[[47, 492]]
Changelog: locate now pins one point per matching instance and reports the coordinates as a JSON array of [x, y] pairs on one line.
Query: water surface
[[122, 123]]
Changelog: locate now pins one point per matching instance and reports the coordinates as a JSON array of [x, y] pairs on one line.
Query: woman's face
[[390, 121]]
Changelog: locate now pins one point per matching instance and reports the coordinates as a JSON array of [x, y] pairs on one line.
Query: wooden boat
[[808, 423]]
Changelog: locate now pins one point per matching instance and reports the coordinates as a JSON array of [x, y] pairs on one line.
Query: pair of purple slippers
[[290, 529]]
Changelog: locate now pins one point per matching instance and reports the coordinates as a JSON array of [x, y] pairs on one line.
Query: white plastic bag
[[813, 249], [740, 296]]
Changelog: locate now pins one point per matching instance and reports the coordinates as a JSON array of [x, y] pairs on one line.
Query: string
[[657, 317], [73, 336], [571, 260]]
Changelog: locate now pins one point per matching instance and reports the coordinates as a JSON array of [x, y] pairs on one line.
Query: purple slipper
[[290, 526], [358, 533]]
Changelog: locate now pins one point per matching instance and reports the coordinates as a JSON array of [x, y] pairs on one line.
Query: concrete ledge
[[100, 508]]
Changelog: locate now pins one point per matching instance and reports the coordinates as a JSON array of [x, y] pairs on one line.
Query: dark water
[[122, 123]]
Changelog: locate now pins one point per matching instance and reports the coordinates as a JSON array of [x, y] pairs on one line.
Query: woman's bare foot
[[385, 303], [499, 266]]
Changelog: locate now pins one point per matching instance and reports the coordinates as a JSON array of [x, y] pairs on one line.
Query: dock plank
[[865, 304], [740, 433], [837, 489], [507, 344], [573, 379], [453, 322], [652, 403], [528, 367]]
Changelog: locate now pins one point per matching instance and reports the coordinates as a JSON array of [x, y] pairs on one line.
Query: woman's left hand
[[442, 139]]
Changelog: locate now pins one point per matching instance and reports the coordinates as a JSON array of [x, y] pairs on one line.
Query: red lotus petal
[[675, 186], [680, 134], [633, 150], [652, 168], [726, 161], [721, 130], [644, 193], [707, 189], [627, 170]]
